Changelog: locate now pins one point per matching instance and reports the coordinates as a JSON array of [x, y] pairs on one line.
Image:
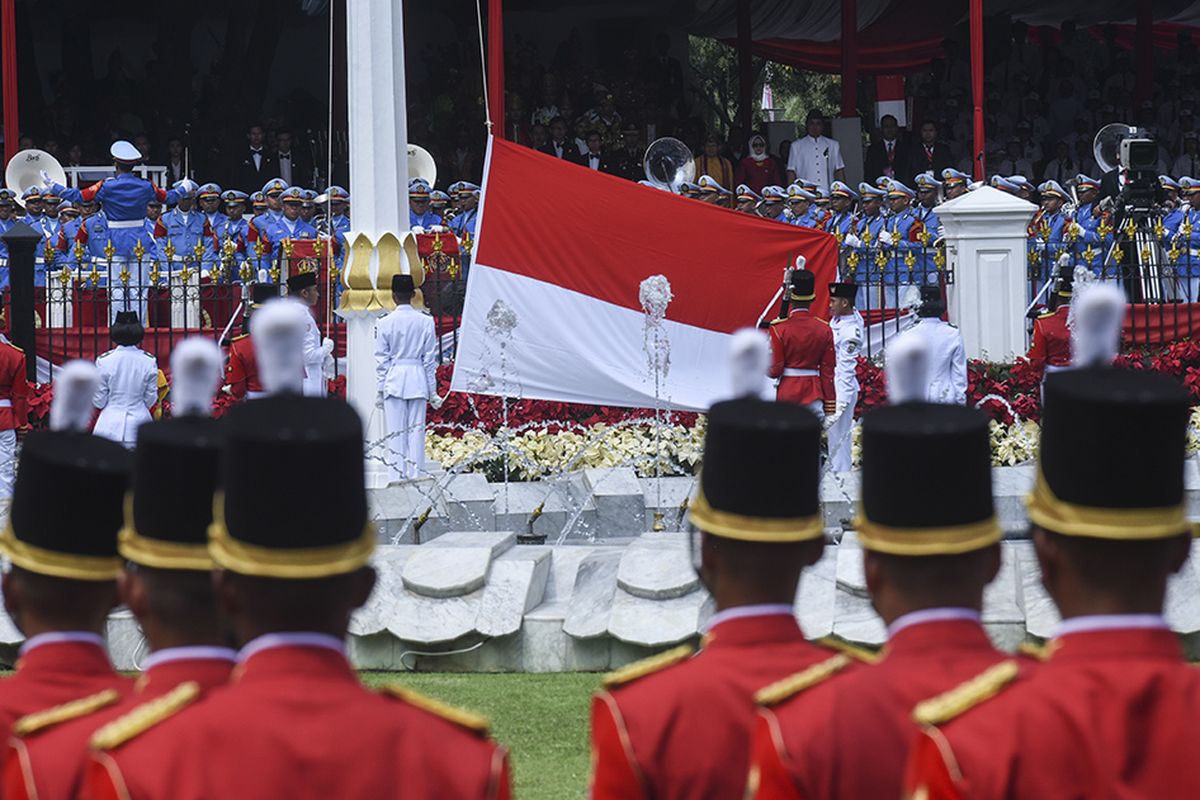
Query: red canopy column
[[979, 142], [8, 66], [849, 58], [1144, 50], [495, 66], [745, 65]]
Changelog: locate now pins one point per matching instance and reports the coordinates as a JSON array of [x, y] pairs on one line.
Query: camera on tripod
[[1139, 164]]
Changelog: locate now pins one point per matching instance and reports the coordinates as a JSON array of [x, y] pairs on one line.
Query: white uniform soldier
[[406, 375], [848, 330], [317, 352], [947, 380], [128, 383]]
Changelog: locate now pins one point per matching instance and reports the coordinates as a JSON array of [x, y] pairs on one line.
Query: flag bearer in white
[[128, 382], [947, 381], [847, 325], [406, 374], [318, 352]]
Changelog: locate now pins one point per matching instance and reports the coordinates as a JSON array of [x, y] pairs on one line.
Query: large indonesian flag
[[563, 250]]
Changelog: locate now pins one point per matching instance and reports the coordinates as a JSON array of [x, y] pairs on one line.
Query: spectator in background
[[1188, 162], [816, 158], [595, 158], [1063, 166], [711, 162], [254, 165], [929, 154], [560, 145], [759, 168], [887, 154], [176, 170], [294, 166], [1013, 162], [629, 162]]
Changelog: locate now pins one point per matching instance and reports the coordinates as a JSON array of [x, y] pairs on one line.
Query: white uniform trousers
[[839, 436], [8, 462], [406, 436]]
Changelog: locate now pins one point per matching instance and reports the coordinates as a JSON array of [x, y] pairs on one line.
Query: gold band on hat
[[56, 564], [159, 553], [927, 541], [802, 297], [1128, 524], [294, 563], [754, 529]]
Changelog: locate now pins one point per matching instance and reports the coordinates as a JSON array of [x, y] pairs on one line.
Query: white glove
[[438, 228], [327, 346], [379, 400], [851, 240], [187, 185], [47, 181], [417, 229], [885, 238], [435, 402]]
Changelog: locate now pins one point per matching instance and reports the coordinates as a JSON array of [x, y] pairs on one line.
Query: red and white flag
[[552, 308]]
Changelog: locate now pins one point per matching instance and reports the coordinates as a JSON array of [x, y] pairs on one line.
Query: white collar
[[931, 615], [1111, 622], [292, 639], [188, 653], [743, 612], [62, 637]]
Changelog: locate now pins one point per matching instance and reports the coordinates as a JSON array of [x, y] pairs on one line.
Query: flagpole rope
[[487, 106]]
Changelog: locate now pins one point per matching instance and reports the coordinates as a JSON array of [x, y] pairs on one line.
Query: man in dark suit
[[295, 166], [887, 155], [595, 158], [253, 166], [560, 145], [929, 153]]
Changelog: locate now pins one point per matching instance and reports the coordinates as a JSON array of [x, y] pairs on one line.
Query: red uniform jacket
[[848, 736], [1112, 714], [55, 673], [241, 371], [1051, 340], [51, 763], [803, 342], [684, 732], [295, 722], [13, 388]]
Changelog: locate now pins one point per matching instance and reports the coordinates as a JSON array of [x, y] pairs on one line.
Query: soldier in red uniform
[[63, 579], [802, 352], [294, 721], [241, 371], [169, 589], [927, 556], [14, 415], [1115, 710], [1051, 347], [677, 725]]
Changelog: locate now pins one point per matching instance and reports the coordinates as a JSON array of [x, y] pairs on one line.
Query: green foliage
[[714, 77], [541, 718]]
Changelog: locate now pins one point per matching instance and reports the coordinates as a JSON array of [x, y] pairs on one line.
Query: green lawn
[[542, 719]]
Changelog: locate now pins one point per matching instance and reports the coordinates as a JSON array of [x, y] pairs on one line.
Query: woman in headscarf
[[710, 162], [759, 168]]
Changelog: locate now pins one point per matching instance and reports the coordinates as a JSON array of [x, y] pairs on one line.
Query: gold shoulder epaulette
[[1045, 314], [1036, 651], [792, 685], [647, 666], [41, 720], [962, 698], [145, 716], [14, 347], [778, 320], [236, 338], [459, 716], [857, 653]]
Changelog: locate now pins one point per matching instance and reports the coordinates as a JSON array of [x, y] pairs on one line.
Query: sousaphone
[[25, 170]]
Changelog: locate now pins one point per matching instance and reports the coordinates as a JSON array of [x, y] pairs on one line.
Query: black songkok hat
[[261, 293], [75, 538], [264, 519], [168, 512], [1111, 460], [912, 454], [403, 284], [301, 281], [846, 291], [804, 285], [761, 476]]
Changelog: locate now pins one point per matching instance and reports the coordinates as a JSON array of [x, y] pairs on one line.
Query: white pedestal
[[185, 299], [60, 301], [986, 247]]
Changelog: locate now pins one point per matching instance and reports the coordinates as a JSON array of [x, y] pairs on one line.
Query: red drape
[[980, 139], [8, 66], [495, 66]]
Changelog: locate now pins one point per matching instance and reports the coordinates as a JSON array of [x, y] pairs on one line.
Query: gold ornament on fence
[[866, 237], [1118, 254], [79, 252], [64, 277], [198, 252], [169, 250], [852, 259], [94, 276], [1130, 227], [939, 258], [246, 272], [880, 258], [1089, 255], [154, 273], [1160, 230], [910, 260]]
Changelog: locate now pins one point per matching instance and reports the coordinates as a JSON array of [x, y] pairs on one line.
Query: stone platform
[[468, 598]]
